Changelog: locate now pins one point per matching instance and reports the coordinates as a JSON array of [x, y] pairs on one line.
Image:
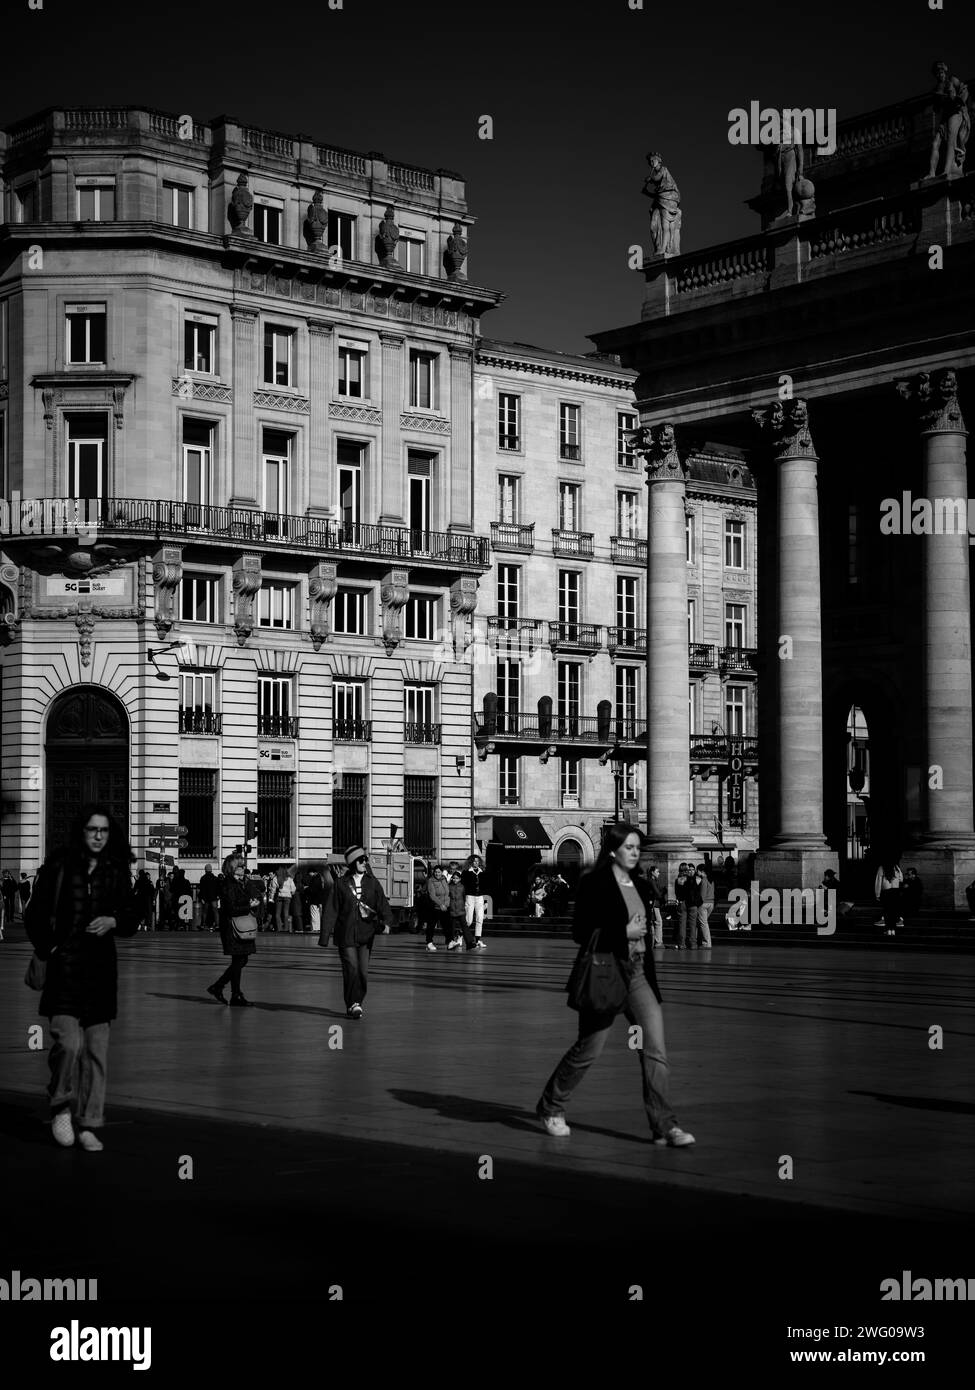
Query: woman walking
[[887, 890], [236, 900], [356, 910], [83, 899], [438, 917], [613, 904], [473, 880]]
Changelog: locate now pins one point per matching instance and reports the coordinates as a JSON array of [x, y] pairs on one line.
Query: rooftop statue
[[665, 213], [316, 221], [386, 238], [241, 205], [456, 253], [954, 124]]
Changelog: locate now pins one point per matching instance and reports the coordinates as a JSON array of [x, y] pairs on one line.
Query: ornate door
[[87, 759]]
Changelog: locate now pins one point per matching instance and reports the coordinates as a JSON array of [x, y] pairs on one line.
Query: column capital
[[240, 313], [784, 426], [319, 327], [391, 341], [657, 446], [459, 353], [934, 401]]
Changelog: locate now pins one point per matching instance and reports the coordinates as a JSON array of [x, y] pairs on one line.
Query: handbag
[[245, 927], [35, 976], [597, 983]]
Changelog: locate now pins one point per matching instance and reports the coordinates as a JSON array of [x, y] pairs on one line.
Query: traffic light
[[250, 825]]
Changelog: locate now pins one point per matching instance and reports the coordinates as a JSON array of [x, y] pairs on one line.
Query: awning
[[520, 832]]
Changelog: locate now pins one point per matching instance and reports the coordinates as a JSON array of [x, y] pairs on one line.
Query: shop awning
[[520, 832]]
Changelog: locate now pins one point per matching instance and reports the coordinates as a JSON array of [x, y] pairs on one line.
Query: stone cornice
[[505, 362]]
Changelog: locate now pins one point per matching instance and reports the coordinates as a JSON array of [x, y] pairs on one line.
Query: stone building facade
[[251, 408]]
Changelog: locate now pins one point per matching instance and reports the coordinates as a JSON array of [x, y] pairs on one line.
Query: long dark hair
[[117, 848], [613, 837]]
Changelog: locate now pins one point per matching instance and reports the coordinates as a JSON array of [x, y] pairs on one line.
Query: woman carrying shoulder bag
[[238, 930], [611, 916]]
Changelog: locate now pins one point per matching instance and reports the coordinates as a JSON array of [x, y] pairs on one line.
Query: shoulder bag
[[245, 927], [597, 983], [36, 974]]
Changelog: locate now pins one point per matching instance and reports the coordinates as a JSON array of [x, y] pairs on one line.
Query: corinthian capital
[[657, 446], [934, 401], [785, 429]]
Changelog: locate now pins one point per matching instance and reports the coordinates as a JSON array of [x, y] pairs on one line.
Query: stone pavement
[[406, 1164]]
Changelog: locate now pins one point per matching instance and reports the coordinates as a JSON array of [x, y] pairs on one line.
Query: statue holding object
[[665, 213]]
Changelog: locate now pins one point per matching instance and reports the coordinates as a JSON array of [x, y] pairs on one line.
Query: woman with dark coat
[[82, 900], [357, 908], [237, 899], [611, 900]]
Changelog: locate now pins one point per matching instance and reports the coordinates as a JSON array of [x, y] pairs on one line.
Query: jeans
[[700, 922], [208, 917], [79, 1062], [641, 1008], [282, 913], [657, 923], [474, 912], [355, 963]]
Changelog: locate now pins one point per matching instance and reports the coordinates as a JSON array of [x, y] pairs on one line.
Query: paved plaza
[[409, 1156]]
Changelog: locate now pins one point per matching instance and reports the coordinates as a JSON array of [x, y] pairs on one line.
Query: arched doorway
[[570, 860], [864, 778], [87, 750]]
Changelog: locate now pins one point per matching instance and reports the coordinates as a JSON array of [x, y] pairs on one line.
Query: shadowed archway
[[87, 754]]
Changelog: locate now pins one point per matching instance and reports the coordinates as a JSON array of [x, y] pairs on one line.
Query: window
[[569, 686], [692, 709], [199, 598], [197, 461], [625, 601], [86, 333], [197, 702], [625, 457], [341, 233], [509, 696], [734, 544], [200, 344], [274, 706], [276, 605], [275, 797], [419, 467], [349, 457], [419, 702], [509, 497], [412, 251], [349, 800], [420, 814], [570, 444], [570, 506], [569, 781], [423, 380], [25, 205], [568, 596], [349, 612], [690, 537], [508, 794], [692, 620], [178, 204], [197, 810], [277, 356], [734, 624], [352, 369], [628, 515], [349, 711], [509, 421], [87, 454], [267, 222], [734, 709], [626, 694], [421, 617], [276, 455], [509, 595], [95, 201]]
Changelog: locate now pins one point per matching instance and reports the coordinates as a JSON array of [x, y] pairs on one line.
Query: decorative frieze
[[271, 400], [429, 424], [189, 387], [361, 414]]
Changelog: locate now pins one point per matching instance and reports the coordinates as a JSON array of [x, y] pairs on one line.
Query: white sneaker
[[556, 1126], [675, 1138], [479, 945], [454, 945], [430, 946], [90, 1141], [63, 1128]]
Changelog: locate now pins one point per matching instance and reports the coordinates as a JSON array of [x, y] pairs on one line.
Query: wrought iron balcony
[[628, 550], [738, 659], [352, 730], [513, 632], [421, 733], [277, 725], [701, 656], [561, 728], [199, 721], [577, 543], [713, 748], [627, 640], [581, 637], [512, 535]]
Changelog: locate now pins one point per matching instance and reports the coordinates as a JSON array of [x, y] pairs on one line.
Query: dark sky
[[579, 90]]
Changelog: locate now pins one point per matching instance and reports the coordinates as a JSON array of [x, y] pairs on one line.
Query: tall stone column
[[668, 748], [393, 470], [244, 485], [320, 393], [793, 851], [947, 860], [460, 462]]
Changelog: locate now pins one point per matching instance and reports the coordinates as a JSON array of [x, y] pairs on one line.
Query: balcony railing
[[627, 639], [701, 656], [513, 632], [421, 733], [713, 748], [578, 543], [628, 550], [583, 637], [159, 519], [737, 659], [511, 535], [277, 725], [562, 728], [199, 721], [352, 730]]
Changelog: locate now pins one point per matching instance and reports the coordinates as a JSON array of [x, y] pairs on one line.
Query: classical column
[[668, 748], [794, 852], [320, 393], [460, 461], [244, 486], [393, 467], [947, 774]]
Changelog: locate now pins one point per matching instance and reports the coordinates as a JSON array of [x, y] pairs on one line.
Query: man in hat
[[356, 909]]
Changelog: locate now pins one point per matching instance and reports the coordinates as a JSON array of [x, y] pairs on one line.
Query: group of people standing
[[452, 901]]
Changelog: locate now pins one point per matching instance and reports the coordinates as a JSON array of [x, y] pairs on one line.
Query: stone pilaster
[[793, 851], [460, 462], [320, 393], [244, 487], [393, 471]]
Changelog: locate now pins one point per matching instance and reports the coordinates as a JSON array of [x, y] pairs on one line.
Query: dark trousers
[[459, 927], [355, 965], [232, 974], [890, 906], [208, 916], [438, 921]]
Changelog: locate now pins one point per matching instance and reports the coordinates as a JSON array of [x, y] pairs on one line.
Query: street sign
[[164, 806], [168, 830], [154, 856], [736, 778]]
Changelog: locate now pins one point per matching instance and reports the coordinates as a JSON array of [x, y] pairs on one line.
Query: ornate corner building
[[239, 562]]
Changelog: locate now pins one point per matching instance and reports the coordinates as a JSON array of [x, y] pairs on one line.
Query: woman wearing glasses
[[356, 910], [83, 898], [238, 898]]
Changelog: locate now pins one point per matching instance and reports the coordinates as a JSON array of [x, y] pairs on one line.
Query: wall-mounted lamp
[[151, 658], [610, 753]]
